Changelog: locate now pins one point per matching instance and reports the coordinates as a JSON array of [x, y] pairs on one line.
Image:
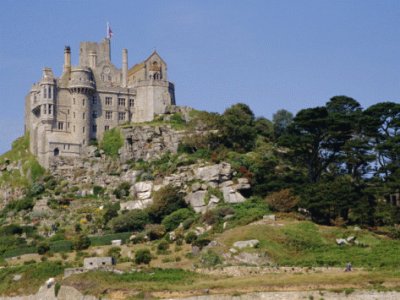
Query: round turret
[[81, 81]]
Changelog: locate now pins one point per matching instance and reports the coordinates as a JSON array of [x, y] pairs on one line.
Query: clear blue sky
[[268, 54]]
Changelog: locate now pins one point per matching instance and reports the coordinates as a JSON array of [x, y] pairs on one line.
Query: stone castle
[[64, 114]]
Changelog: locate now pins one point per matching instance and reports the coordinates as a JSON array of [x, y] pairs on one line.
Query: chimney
[[92, 59], [67, 59], [124, 68]]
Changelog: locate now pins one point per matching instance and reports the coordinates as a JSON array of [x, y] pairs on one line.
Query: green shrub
[[112, 142], [36, 189], [210, 259], [81, 242], [115, 253], [190, 237], [282, 201], [155, 231], [133, 220], [173, 220], [188, 222], [142, 256], [163, 245], [11, 229], [43, 248], [165, 201], [21, 204], [98, 190], [122, 190]]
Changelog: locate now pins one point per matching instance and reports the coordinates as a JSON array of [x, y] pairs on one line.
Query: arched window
[[56, 152]]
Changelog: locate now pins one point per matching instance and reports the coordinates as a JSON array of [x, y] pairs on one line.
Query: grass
[[106, 239], [31, 170], [169, 283], [33, 276], [309, 245]]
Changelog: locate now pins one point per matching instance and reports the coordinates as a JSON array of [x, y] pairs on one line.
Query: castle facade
[[64, 114]]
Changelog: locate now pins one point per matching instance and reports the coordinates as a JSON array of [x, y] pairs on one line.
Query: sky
[[269, 54]]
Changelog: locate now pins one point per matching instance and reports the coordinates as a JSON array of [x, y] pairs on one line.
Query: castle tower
[[81, 87]]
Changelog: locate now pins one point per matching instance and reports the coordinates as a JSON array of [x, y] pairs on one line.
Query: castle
[[64, 114]]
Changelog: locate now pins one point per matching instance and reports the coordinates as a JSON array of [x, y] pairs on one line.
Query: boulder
[[208, 173], [251, 258], [213, 202], [269, 218], [341, 242], [136, 204], [196, 200], [143, 189], [116, 242], [232, 196], [246, 244]]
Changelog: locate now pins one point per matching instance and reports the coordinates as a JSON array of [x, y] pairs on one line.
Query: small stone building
[[90, 263]]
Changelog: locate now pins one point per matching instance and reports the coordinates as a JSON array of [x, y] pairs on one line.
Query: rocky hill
[[192, 203]]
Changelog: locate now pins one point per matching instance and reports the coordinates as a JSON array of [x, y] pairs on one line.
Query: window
[[44, 109], [68, 111], [74, 128], [50, 109], [131, 102], [44, 92], [108, 101], [84, 142], [121, 101], [83, 129], [94, 128], [121, 116], [74, 115], [108, 115], [83, 102], [49, 92], [60, 125], [94, 100], [73, 99], [106, 128], [68, 125], [83, 115], [94, 114]]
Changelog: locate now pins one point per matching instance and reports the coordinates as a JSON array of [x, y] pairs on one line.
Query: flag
[[109, 31]]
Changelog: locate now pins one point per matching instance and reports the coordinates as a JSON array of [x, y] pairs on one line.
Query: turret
[[81, 87], [124, 68], [47, 95], [92, 59]]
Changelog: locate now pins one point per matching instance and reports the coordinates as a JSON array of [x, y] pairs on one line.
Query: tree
[[382, 125], [237, 128], [264, 127], [331, 199], [281, 121]]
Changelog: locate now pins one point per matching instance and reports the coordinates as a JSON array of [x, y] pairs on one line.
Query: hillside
[[206, 203]]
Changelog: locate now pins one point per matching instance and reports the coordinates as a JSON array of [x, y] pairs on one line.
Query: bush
[[114, 252], [11, 229], [163, 245], [43, 248], [133, 220], [282, 201], [112, 142], [210, 259], [165, 201], [122, 190], [173, 220], [36, 189], [155, 231], [190, 237], [81, 242], [142, 256], [98, 190], [21, 204]]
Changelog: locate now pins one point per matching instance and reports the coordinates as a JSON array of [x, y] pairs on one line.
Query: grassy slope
[[31, 170], [293, 244]]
